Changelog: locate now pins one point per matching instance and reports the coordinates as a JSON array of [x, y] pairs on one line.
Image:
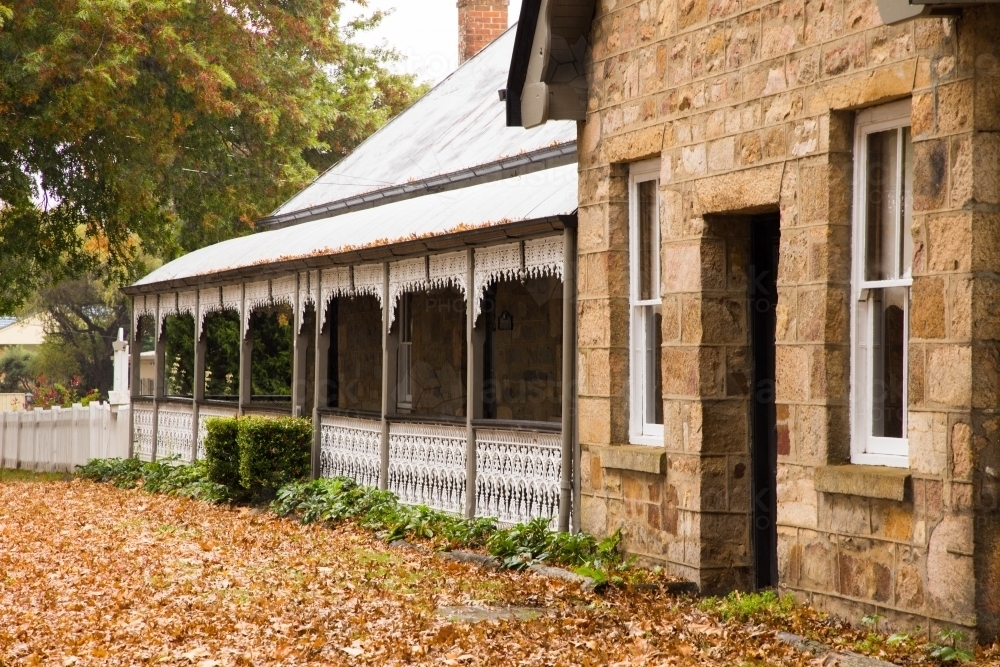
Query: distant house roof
[[447, 166], [25, 331]]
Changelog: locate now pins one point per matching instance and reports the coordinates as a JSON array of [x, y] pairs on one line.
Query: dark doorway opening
[[765, 235]]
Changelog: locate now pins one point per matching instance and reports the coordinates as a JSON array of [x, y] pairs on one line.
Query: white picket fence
[[59, 439]]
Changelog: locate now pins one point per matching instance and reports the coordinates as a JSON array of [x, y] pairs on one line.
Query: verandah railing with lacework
[[143, 424], [351, 447], [175, 431], [427, 465], [518, 471], [517, 475]]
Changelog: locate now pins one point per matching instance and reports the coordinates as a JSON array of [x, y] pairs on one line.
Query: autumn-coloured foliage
[[153, 127], [95, 575]]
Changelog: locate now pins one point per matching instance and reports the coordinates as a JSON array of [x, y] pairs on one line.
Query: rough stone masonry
[[749, 106]]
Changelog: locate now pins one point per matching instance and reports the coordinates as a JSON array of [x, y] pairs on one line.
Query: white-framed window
[[883, 253], [646, 381]]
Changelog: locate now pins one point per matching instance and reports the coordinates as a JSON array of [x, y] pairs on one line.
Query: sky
[[425, 32]]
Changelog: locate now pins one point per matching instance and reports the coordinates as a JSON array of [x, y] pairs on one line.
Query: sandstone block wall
[[528, 358], [437, 371], [359, 353], [749, 107]]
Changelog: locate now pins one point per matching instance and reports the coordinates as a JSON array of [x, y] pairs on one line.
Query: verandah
[[385, 371]]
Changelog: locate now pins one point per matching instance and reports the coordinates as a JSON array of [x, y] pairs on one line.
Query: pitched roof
[[448, 164], [460, 123]]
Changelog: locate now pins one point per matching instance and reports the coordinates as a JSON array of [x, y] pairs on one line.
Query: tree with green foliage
[[153, 127], [271, 363], [17, 373], [82, 320]]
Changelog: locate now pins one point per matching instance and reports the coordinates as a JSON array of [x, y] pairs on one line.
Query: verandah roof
[[546, 194]]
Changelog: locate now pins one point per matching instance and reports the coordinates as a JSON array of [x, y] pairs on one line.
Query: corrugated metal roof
[[461, 123], [539, 195], [7, 321]]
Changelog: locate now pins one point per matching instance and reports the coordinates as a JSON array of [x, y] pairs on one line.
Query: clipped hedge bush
[[222, 453], [273, 452]]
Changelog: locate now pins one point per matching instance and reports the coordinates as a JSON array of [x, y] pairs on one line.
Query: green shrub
[[123, 473], [163, 476], [222, 453], [273, 452]]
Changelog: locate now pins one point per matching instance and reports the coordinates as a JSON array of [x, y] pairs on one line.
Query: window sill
[[637, 458], [867, 481]]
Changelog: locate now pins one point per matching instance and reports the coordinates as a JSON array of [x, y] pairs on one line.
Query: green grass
[[757, 607], [10, 476]]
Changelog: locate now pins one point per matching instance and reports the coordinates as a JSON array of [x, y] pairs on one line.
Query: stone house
[[789, 306]]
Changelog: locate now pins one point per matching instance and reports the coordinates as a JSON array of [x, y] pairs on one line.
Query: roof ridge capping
[[556, 155]]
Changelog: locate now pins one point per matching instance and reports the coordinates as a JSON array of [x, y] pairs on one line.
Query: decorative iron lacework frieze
[[407, 275], [334, 282], [449, 270], [517, 475], [351, 448], [427, 465], [168, 306], [174, 431], [495, 263], [204, 414], [369, 280], [142, 306], [544, 257], [209, 301], [256, 295], [142, 437], [308, 293], [216, 300], [283, 291], [187, 302]]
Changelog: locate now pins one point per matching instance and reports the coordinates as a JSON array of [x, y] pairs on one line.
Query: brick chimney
[[479, 23]]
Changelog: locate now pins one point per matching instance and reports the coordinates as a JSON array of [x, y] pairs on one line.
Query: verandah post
[[135, 373], [321, 383], [246, 350], [383, 477], [569, 483], [473, 383], [198, 391], [158, 376], [300, 344]]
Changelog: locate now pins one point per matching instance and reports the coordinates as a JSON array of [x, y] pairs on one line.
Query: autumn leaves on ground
[[94, 575]]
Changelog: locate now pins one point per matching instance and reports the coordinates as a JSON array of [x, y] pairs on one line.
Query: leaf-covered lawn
[[90, 574]]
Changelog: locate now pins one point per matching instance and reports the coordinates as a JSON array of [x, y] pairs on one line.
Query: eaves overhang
[[548, 70], [894, 12]]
